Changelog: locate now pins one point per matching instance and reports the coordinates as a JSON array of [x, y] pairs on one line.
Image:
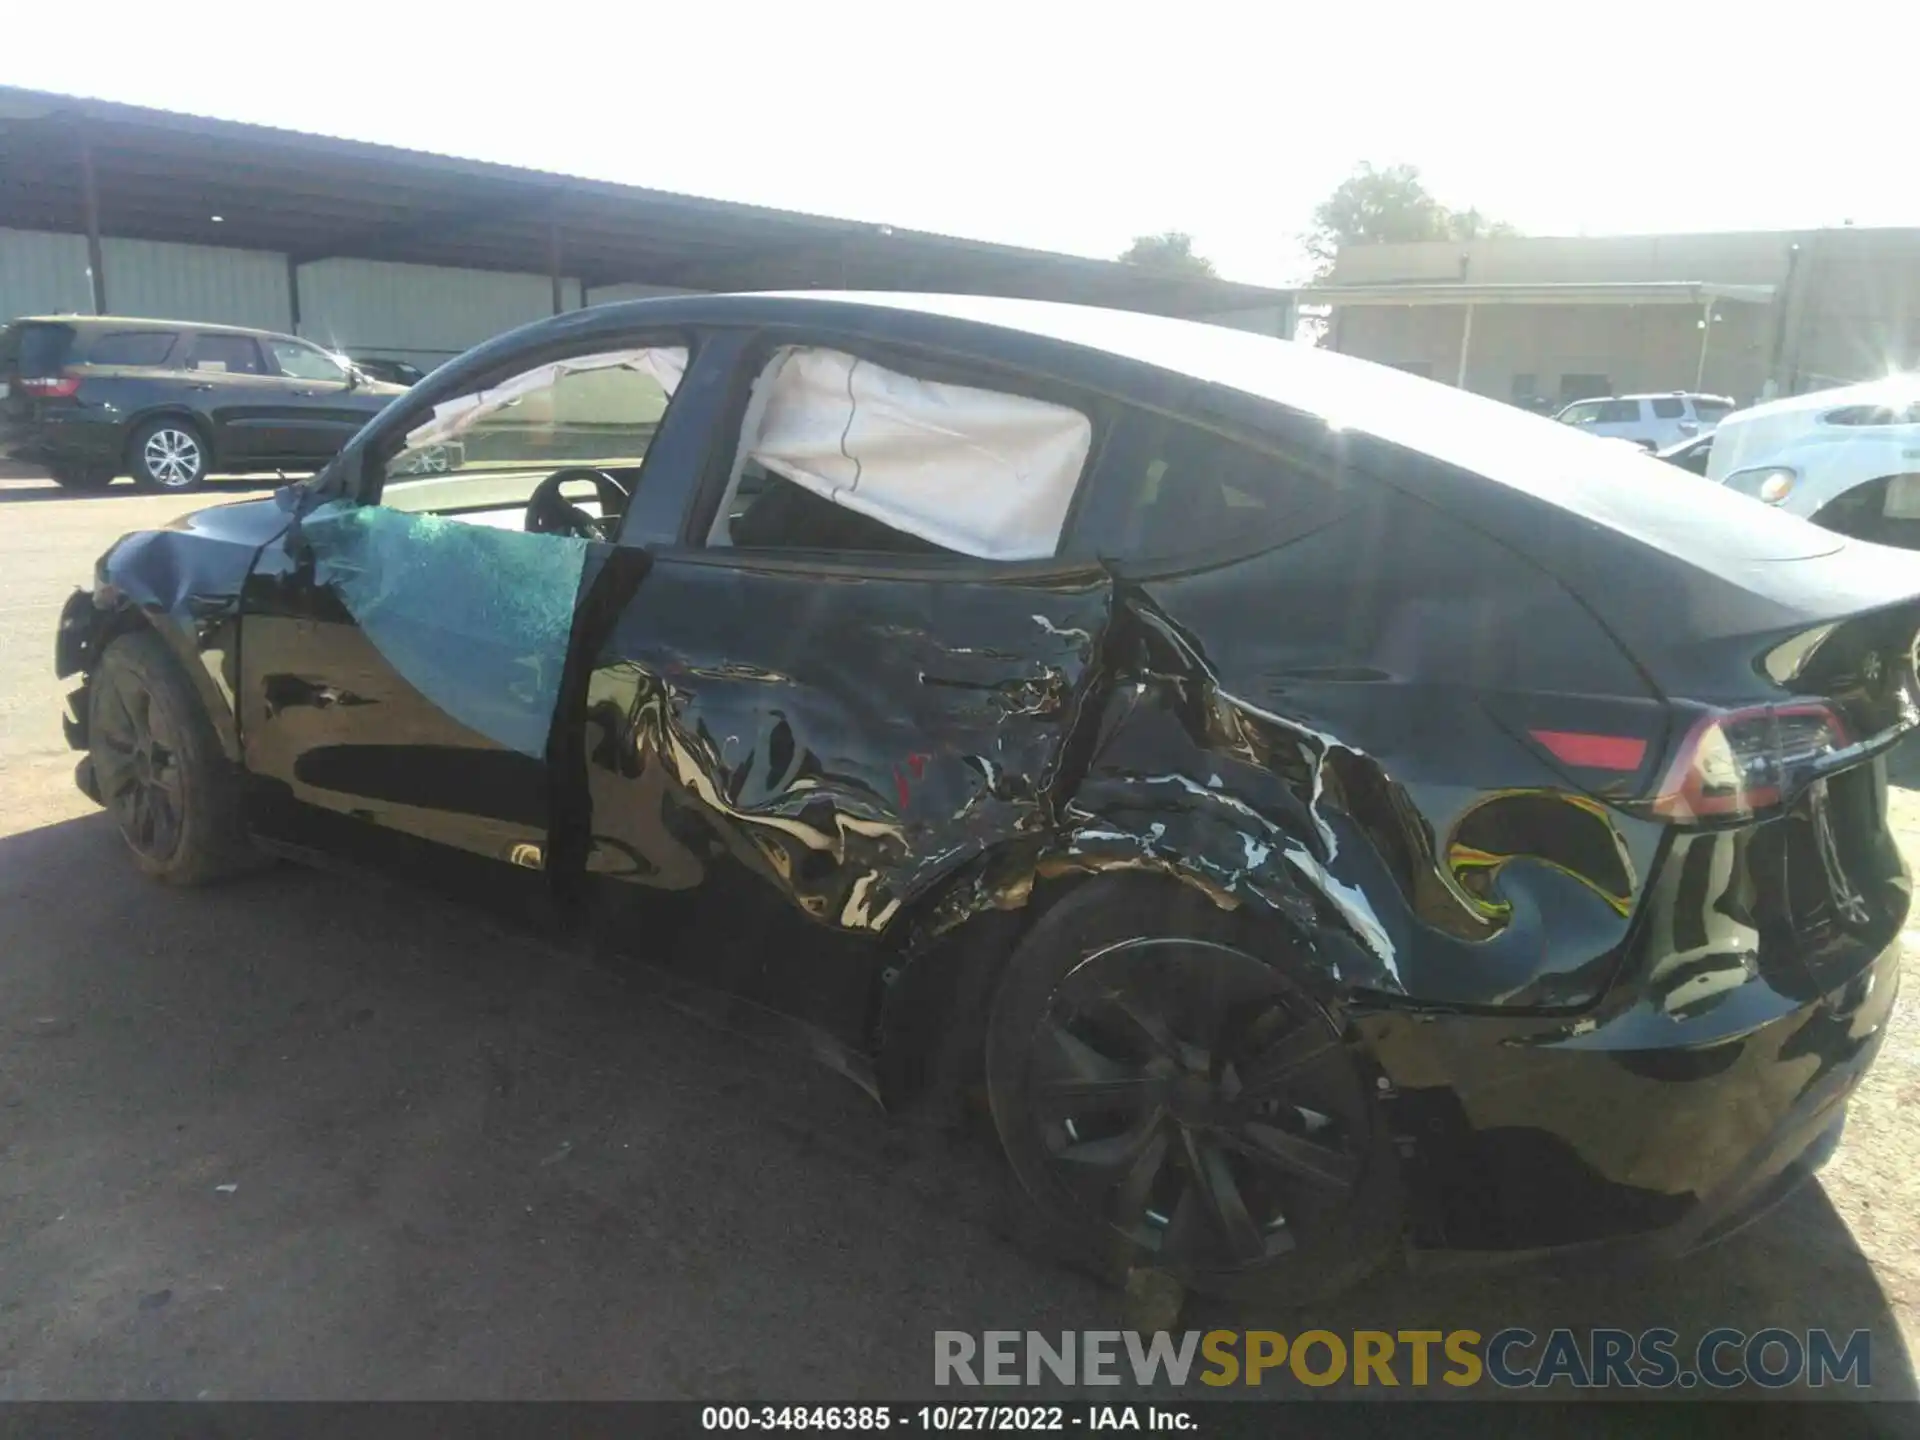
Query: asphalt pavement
[[301, 1136]]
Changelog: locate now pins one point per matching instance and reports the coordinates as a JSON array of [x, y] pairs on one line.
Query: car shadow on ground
[[26, 489], [302, 1136]]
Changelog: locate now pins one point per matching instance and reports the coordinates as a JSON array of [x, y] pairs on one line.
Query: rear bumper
[[1666, 1133], [25, 442], [61, 441]]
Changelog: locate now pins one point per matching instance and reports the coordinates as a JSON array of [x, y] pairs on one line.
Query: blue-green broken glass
[[473, 617]]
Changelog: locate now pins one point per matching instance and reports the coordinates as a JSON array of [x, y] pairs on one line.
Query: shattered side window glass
[[444, 577], [480, 456], [476, 619]]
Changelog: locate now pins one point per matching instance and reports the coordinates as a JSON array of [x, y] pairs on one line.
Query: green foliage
[[1170, 251], [1376, 205]]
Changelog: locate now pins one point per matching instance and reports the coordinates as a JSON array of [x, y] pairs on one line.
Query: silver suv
[[1655, 421]]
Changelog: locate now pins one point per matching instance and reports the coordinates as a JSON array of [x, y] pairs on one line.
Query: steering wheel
[[550, 514]]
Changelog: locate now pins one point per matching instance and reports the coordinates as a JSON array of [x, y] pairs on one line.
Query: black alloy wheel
[[1182, 1100], [158, 767], [1183, 1105], [136, 764]]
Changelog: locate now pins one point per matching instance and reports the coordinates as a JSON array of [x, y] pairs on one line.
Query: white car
[[1848, 459], [1651, 421]]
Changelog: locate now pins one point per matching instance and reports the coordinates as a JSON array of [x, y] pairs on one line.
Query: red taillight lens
[[1620, 754], [1735, 764], [54, 387]]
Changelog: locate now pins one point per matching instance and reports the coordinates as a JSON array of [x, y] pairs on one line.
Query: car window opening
[[480, 458], [840, 453]]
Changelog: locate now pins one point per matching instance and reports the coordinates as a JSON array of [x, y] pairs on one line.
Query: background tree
[[1470, 224], [1170, 251], [1376, 205]]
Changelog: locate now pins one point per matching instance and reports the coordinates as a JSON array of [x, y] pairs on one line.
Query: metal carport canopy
[[99, 168]]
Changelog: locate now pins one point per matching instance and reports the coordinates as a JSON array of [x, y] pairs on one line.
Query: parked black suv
[[169, 402]]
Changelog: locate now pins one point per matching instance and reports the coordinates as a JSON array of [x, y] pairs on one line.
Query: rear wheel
[[159, 769], [83, 477], [1174, 1098], [168, 454]]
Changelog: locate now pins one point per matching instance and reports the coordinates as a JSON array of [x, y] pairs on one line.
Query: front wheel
[[158, 766], [1173, 1098], [168, 454]]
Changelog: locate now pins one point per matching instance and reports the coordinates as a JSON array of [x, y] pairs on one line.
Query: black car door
[[403, 652], [227, 381], [325, 405], [803, 720]]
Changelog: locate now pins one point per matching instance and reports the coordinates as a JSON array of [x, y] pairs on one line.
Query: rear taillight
[[1736, 764], [1584, 750], [51, 387]]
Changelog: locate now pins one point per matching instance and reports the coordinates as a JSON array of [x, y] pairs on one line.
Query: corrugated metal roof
[[162, 176]]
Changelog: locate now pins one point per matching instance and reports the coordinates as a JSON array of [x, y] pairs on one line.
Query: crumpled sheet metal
[[475, 618], [850, 799]]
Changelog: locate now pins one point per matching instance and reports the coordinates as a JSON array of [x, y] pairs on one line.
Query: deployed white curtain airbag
[[453, 418], [978, 471]]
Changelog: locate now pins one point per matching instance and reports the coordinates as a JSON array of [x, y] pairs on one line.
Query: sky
[[1074, 126]]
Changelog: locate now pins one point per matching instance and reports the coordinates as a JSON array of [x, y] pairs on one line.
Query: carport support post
[[1706, 333], [1466, 344], [90, 213], [293, 293], [553, 262]]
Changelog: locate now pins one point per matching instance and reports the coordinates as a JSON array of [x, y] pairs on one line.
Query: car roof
[[147, 322], [1899, 389], [1662, 395]]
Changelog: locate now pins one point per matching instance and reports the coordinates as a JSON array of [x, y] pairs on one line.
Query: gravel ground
[[298, 1137]]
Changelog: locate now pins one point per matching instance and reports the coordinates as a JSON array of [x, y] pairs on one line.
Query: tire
[[158, 767], [83, 477], [1173, 1097], [168, 454]]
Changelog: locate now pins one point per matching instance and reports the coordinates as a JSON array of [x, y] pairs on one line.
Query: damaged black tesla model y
[[1320, 810]]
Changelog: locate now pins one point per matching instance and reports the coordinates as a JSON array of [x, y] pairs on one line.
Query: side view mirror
[[354, 377]]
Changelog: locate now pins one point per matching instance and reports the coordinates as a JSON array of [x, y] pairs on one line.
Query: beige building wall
[[1846, 307], [1743, 258], [1541, 350], [1855, 312]]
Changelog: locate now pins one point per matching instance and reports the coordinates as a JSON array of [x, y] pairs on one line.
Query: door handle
[[202, 386], [306, 392]]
